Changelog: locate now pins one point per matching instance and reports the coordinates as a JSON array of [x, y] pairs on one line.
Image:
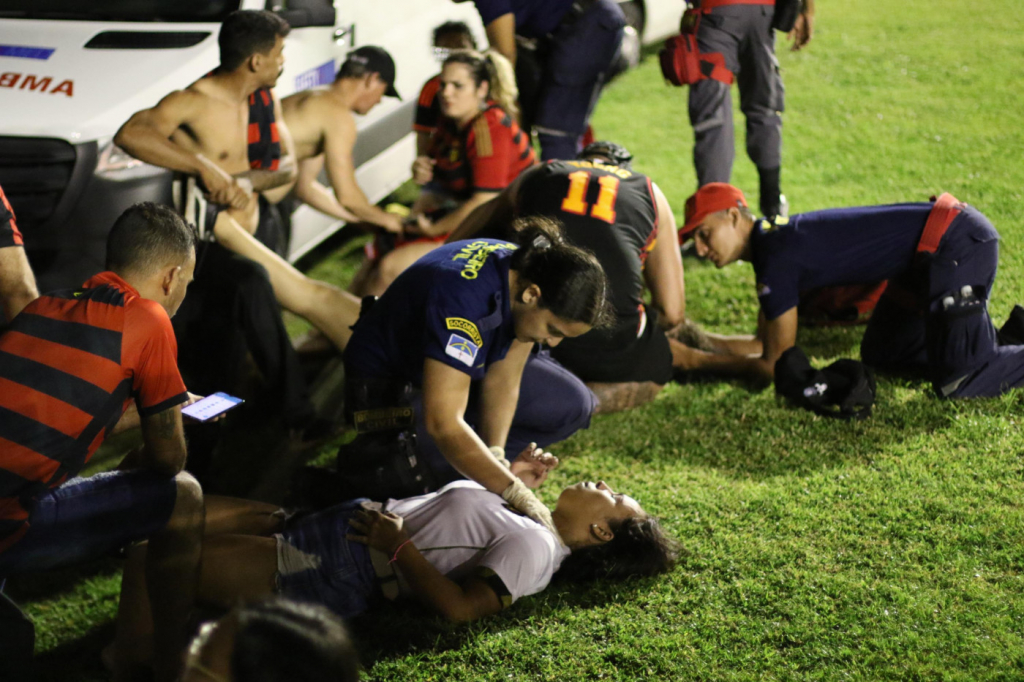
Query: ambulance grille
[[34, 172]]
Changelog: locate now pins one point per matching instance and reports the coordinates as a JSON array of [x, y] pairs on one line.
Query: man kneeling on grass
[[940, 261], [460, 550], [75, 367]]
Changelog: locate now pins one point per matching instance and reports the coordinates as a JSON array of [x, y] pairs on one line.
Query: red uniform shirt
[[485, 156], [428, 108], [9, 234], [70, 364]]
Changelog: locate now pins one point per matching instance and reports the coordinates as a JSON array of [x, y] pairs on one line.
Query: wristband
[[499, 454], [394, 557]]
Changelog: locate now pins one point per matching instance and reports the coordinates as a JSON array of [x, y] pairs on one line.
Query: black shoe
[[1012, 332]]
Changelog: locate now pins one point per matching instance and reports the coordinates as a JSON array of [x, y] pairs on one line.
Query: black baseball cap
[[377, 60]]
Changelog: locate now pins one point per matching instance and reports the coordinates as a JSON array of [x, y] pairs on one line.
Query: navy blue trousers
[[580, 58], [952, 340], [553, 405]]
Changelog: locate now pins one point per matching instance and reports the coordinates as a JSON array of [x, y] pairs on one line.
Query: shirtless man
[[323, 131], [203, 131]]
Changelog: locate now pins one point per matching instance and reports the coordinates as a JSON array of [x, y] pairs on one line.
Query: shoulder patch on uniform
[[466, 327], [461, 349], [482, 133]]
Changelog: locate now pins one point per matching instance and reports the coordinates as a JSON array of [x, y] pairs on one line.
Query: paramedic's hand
[[423, 170], [384, 532], [803, 29], [533, 465]]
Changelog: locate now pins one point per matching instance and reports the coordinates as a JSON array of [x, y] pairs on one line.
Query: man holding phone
[[75, 367]]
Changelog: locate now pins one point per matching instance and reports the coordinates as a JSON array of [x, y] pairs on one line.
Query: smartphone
[[211, 406]]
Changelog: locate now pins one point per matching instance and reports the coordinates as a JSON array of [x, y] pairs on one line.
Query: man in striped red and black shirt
[[76, 366], [17, 283]]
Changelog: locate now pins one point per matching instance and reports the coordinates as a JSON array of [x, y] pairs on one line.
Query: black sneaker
[[1012, 332]]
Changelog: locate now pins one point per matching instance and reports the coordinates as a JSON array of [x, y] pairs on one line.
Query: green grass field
[[890, 549]]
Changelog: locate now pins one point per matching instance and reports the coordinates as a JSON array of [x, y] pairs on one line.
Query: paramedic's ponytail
[[572, 282]]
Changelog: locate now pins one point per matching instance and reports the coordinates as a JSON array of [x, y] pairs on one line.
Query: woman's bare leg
[[235, 565], [326, 306], [394, 264], [616, 397]]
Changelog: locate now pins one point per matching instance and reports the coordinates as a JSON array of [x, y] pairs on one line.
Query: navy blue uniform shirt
[[452, 305], [833, 247], [534, 18]]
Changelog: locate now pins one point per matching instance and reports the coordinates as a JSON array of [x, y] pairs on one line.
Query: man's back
[[606, 209], [70, 363], [832, 247], [310, 115]]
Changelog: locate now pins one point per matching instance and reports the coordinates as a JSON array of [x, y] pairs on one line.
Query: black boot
[[1012, 332]]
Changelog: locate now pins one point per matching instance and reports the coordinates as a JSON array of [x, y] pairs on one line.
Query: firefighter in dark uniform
[[618, 214], [940, 261], [459, 327], [578, 43], [741, 32]]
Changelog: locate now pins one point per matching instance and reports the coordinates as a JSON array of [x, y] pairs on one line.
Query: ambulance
[[72, 72]]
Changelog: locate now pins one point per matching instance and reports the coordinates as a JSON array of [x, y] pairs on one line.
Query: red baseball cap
[[711, 198]]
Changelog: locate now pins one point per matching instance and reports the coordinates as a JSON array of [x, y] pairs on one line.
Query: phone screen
[[211, 406]]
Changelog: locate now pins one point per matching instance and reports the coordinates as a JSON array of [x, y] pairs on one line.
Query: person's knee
[[578, 404], [390, 268], [188, 512]]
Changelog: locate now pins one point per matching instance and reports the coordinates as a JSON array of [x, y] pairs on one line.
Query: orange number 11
[[603, 208]]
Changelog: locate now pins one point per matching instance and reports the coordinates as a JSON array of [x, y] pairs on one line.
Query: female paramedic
[[447, 353]]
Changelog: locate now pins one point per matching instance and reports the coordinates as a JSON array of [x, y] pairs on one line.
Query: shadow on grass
[[395, 631], [32, 587], [76, 659], [756, 435]]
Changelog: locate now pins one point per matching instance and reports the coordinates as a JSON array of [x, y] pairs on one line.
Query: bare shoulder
[[183, 103]]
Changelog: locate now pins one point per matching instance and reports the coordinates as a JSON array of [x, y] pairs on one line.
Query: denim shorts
[[317, 564], [88, 517]]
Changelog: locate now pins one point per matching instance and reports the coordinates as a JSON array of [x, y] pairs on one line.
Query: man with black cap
[[939, 258], [323, 129]]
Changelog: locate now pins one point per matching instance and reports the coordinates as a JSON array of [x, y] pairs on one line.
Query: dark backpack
[[843, 390]]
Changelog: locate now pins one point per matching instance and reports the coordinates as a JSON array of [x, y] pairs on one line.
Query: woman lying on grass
[[460, 550]]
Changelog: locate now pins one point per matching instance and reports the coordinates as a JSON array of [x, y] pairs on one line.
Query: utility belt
[[911, 292], [682, 62], [381, 461]]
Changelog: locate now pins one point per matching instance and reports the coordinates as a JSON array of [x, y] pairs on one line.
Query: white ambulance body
[[72, 72]]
